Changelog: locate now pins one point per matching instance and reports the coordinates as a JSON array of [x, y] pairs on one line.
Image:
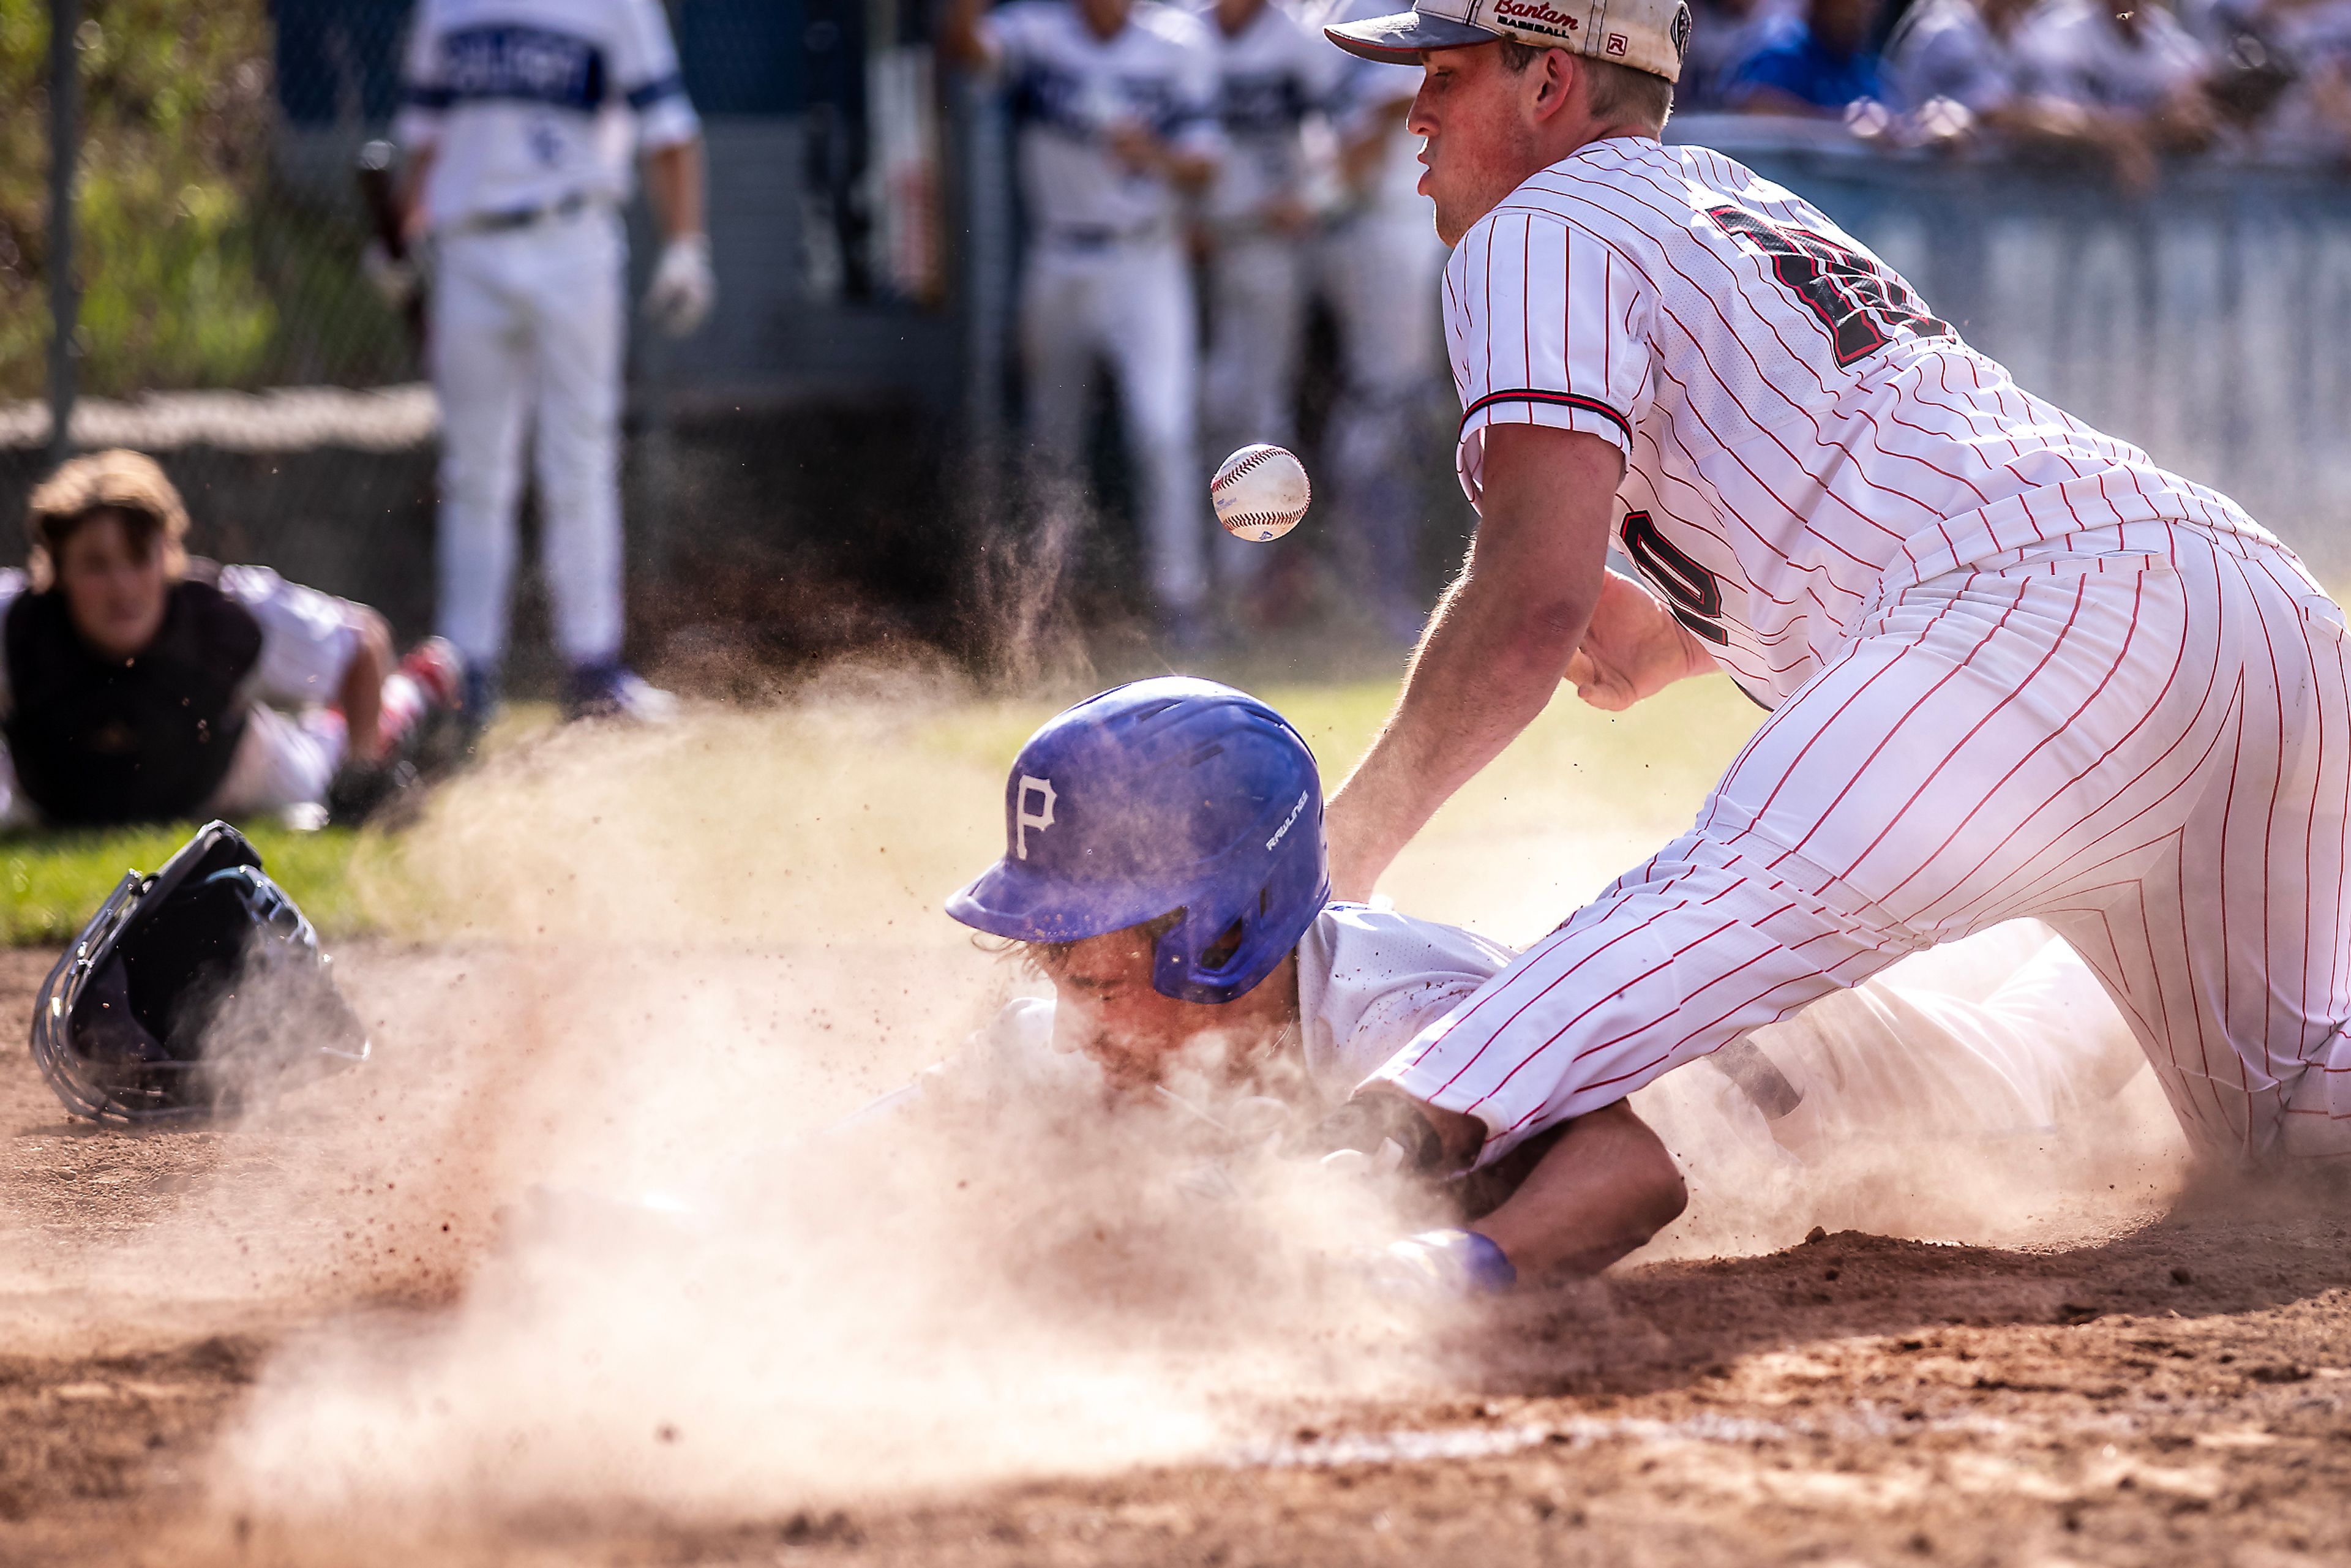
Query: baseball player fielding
[[1260, 493], [2014, 667]]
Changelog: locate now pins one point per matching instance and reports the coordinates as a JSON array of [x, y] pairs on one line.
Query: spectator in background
[[1115, 106], [1962, 54], [1724, 35], [140, 686], [2121, 76], [1820, 68], [1381, 264], [2312, 112], [520, 117], [1254, 220]]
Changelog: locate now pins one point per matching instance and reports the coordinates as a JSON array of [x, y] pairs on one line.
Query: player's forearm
[[673, 176], [1188, 171], [960, 38], [362, 696], [1604, 1189], [412, 191]]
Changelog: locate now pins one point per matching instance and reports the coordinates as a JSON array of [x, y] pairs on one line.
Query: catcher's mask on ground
[[190, 989], [1175, 802]]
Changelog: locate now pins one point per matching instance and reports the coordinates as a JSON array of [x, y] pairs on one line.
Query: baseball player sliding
[[519, 119], [2013, 667], [1164, 868]]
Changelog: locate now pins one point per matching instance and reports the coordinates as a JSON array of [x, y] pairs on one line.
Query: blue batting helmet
[[1166, 795]]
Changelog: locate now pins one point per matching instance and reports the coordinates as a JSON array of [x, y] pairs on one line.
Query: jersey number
[[1860, 303], [1692, 592]]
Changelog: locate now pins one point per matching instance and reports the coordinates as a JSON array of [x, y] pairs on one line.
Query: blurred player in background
[[520, 119], [1256, 222], [1380, 260], [1114, 103], [140, 686]]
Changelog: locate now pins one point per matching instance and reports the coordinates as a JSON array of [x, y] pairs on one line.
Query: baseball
[[1259, 493]]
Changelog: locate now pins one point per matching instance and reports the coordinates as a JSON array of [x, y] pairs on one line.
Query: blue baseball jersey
[[525, 103]]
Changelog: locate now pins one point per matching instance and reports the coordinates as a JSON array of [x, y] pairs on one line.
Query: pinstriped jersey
[[1802, 434]]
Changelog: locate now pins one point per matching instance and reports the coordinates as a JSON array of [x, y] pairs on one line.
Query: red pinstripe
[[1936, 771], [2121, 654]]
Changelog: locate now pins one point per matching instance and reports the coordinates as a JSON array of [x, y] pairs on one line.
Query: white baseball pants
[[1257, 319], [1129, 302], [2139, 735], [527, 330]]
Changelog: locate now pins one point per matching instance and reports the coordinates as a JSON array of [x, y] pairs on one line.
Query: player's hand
[[1135, 148], [1633, 649], [396, 280], [1287, 216], [683, 289]]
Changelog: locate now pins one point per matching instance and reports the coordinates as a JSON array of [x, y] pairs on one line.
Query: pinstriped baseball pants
[[2140, 735]]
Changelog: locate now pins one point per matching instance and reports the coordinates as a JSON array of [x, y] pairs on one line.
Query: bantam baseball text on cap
[[1647, 34]]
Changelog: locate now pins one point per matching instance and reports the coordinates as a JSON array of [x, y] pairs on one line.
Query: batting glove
[[1444, 1265], [396, 278], [683, 289]]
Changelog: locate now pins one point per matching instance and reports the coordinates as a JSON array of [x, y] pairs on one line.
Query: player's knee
[[1657, 1194], [1668, 1195]]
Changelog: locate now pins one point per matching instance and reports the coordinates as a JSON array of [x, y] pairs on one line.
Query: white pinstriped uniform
[[2014, 667]]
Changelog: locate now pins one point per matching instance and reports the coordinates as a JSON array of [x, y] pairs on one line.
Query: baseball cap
[[1647, 34]]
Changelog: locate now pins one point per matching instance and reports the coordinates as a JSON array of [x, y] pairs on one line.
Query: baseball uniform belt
[[1103, 236], [515, 218]]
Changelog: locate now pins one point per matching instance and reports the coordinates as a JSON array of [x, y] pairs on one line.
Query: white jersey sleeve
[[1558, 334], [308, 637], [645, 65], [1190, 120], [1370, 980]]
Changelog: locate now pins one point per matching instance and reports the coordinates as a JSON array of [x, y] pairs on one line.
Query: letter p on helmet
[[1023, 819]]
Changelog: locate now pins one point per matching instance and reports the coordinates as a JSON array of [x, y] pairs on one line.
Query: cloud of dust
[[680, 957], [1024, 577], [662, 962]]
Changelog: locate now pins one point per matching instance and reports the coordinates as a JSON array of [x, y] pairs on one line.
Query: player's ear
[[1553, 76]]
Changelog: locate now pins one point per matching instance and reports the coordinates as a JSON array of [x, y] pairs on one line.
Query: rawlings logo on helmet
[[1288, 823]]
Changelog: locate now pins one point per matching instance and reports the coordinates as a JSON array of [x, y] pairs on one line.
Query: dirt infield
[[2179, 1391]]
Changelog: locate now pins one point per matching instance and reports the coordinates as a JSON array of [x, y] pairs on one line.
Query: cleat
[[613, 691]]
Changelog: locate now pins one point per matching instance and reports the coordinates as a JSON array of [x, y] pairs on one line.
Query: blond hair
[[130, 483], [1617, 91]]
